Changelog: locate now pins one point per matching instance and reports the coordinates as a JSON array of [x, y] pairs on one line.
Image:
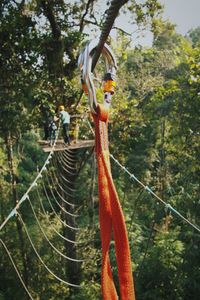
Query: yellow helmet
[[61, 107]]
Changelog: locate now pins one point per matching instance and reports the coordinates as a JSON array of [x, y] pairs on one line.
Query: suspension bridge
[[51, 197]]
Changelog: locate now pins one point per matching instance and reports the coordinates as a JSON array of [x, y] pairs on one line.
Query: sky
[[184, 13]]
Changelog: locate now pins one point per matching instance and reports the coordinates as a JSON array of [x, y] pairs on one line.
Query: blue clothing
[[64, 117]]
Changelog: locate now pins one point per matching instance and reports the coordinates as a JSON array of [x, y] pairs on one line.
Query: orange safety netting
[[111, 218]]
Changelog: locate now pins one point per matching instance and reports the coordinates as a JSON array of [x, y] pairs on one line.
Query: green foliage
[[154, 131]]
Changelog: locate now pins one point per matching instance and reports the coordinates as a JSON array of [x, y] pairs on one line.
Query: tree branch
[[90, 2], [49, 13], [123, 31]]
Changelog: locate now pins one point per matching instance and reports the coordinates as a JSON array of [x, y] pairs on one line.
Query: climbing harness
[[110, 213]]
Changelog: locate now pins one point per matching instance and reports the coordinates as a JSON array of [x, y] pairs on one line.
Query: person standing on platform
[[65, 122], [52, 130]]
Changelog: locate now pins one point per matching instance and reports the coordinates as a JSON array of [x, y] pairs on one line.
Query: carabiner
[[85, 65]]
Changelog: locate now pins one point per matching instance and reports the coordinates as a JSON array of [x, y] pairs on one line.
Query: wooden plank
[[61, 147]]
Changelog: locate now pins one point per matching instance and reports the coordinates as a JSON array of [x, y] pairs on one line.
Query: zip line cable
[[149, 190]]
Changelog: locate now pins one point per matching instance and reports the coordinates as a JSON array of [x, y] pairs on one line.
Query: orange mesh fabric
[[111, 218]]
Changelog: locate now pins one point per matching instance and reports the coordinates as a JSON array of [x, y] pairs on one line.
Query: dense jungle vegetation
[[154, 132]]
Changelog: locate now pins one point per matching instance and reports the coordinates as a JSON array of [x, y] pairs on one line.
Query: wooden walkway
[[60, 146]]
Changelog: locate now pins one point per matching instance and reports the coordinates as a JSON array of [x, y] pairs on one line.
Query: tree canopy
[[154, 132]]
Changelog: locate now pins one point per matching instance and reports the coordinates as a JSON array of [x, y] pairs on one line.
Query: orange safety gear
[[110, 212], [109, 84], [111, 218]]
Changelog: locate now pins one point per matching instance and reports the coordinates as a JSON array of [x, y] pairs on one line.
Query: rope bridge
[[51, 195], [51, 198]]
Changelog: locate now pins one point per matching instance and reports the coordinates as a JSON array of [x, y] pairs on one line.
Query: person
[[65, 121], [45, 115], [52, 130]]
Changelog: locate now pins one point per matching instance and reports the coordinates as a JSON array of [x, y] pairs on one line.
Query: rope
[[68, 194], [60, 196], [63, 222], [62, 208], [34, 183], [57, 166], [57, 232], [148, 189], [41, 260], [16, 269], [63, 163], [50, 243], [64, 158], [58, 183]]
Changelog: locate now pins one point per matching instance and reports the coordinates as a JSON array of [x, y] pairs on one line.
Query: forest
[[154, 139]]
